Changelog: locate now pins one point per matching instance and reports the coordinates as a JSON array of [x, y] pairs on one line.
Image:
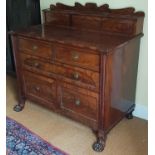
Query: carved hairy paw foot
[[98, 146], [129, 115], [18, 108]]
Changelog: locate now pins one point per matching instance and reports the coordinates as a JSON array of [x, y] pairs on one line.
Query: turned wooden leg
[[129, 115], [99, 145], [19, 107]]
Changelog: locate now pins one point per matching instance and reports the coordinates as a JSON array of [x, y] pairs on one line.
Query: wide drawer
[[82, 103], [77, 57], [41, 88], [35, 47], [74, 75]]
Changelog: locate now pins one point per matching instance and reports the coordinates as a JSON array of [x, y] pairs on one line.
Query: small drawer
[[39, 87], [77, 76], [77, 57], [79, 103], [35, 47], [74, 75]]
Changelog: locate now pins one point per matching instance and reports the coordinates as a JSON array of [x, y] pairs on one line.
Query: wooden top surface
[[99, 41]]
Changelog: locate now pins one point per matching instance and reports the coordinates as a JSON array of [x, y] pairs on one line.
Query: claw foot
[[98, 146], [18, 108], [129, 115]]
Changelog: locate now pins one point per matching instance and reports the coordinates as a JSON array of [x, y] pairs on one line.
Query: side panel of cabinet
[[120, 84]]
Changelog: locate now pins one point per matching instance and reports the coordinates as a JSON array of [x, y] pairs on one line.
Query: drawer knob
[[76, 76], [36, 64], [77, 102], [37, 88], [35, 47], [75, 56]]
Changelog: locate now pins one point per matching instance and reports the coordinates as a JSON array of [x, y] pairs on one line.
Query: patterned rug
[[21, 141]]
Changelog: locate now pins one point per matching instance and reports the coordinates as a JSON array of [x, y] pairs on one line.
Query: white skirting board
[[141, 111]]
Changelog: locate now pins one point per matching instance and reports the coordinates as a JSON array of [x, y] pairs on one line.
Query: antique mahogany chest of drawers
[[81, 63]]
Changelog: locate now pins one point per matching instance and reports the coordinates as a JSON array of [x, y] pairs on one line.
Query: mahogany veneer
[[82, 63]]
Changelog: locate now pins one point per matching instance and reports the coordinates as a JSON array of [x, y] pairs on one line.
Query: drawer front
[[78, 76], [35, 47], [40, 88], [77, 57], [79, 103]]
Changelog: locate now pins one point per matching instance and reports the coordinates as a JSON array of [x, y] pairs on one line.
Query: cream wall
[[142, 79]]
